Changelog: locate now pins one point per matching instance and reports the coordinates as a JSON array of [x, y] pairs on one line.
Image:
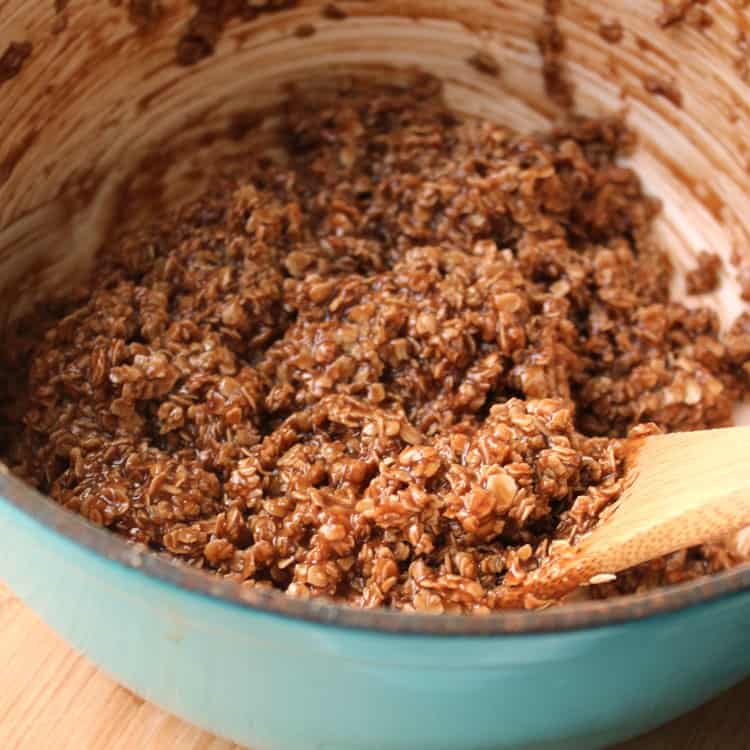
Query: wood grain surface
[[47, 690]]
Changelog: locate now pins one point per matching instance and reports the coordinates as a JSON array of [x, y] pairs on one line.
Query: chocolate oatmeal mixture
[[394, 367], [13, 59], [705, 277]]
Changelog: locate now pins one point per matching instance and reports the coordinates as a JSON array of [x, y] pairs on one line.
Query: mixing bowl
[[97, 99]]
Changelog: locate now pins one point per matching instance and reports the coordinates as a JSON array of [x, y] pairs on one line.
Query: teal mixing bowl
[[279, 674], [95, 100]]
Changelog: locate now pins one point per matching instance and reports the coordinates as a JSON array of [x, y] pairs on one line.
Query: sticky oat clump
[[394, 367]]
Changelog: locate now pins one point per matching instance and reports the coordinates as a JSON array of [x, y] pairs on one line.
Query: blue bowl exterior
[[278, 683]]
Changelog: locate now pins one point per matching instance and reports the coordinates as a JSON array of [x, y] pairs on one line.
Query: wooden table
[[47, 690]]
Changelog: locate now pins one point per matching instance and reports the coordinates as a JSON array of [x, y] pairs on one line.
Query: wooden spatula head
[[682, 490]]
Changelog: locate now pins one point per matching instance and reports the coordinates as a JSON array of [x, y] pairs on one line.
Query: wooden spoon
[[681, 490]]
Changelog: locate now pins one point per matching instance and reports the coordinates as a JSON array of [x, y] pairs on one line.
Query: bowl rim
[[139, 559]]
